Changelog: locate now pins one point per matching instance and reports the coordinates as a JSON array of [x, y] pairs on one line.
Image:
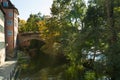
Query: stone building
[[11, 27], [2, 36]]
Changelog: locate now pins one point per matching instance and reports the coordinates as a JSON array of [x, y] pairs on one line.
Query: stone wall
[[2, 38], [2, 56]]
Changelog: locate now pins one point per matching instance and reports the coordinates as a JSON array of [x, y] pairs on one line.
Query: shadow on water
[[41, 66], [44, 67]]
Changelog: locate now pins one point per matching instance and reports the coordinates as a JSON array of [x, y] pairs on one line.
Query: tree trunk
[[110, 20], [113, 39]]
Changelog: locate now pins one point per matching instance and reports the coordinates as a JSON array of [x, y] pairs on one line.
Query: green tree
[[114, 48], [32, 22], [104, 24], [22, 26], [69, 16], [31, 25]]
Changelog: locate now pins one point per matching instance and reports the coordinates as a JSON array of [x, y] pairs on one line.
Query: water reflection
[[44, 74], [44, 67]]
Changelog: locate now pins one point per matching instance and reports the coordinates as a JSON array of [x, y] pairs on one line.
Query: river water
[[43, 67]]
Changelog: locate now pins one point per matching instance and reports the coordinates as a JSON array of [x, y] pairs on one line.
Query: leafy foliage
[[31, 25], [87, 35]]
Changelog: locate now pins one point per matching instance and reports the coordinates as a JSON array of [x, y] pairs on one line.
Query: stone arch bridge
[[24, 38]]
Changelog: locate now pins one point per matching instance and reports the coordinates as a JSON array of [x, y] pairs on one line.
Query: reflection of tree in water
[[44, 67], [41, 65]]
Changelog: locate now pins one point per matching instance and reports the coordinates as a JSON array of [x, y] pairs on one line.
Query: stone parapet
[[6, 70]]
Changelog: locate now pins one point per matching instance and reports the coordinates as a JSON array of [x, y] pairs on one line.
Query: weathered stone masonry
[[2, 37]]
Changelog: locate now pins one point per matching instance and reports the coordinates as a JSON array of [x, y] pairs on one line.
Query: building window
[[2, 45], [1, 29], [9, 33], [1, 15], [9, 22], [10, 14], [5, 4]]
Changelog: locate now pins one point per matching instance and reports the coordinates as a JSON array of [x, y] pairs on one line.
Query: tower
[[11, 27]]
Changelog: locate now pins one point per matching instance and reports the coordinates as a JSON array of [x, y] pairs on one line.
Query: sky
[[27, 7]]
